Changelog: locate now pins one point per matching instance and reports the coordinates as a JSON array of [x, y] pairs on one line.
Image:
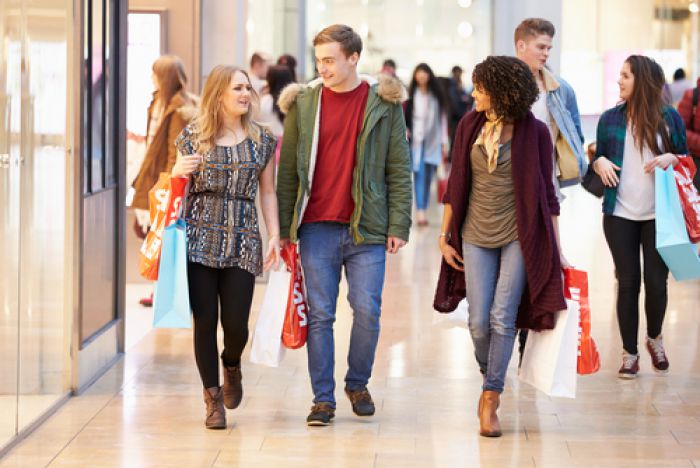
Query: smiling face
[[626, 82], [534, 51], [334, 67], [482, 101], [237, 96]]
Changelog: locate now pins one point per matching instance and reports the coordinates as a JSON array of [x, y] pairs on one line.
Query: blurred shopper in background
[[634, 138], [426, 120], [278, 77], [690, 112], [344, 190], [499, 228], [226, 155], [290, 62], [389, 68], [170, 110], [460, 101], [679, 86], [259, 63]]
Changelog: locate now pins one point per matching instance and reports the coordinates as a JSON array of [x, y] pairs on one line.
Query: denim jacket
[[561, 103]]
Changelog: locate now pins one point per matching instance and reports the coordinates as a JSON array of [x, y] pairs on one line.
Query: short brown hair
[[350, 42], [257, 58], [532, 27]]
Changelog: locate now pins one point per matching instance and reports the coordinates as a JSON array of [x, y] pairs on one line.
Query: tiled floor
[[147, 410]]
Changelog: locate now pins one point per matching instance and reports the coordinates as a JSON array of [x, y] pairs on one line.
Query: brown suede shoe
[[362, 404], [233, 388], [489, 426], [216, 414]]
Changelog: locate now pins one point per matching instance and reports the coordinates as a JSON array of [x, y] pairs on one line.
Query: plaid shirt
[[610, 142]]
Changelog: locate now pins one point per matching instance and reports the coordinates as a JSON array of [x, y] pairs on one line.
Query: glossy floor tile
[[148, 410]]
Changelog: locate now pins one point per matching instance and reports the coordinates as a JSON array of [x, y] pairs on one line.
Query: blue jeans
[[421, 181], [325, 248], [495, 283]]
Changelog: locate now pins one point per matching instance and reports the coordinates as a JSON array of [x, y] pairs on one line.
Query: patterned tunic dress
[[222, 220]]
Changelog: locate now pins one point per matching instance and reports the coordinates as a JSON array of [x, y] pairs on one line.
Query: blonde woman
[[170, 110], [226, 155]]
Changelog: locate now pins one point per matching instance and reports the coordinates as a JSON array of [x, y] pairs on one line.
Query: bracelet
[[444, 234]]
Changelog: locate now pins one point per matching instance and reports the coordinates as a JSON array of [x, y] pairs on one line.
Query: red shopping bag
[[576, 289], [688, 194], [295, 318], [164, 201]]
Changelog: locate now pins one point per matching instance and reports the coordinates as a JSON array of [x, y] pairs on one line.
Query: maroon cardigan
[[535, 203]]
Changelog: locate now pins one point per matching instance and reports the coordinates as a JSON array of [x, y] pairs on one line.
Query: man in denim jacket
[[557, 104], [556, 107]]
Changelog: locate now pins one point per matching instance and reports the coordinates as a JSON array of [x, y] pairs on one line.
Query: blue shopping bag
[[171, 300], [672, 241]]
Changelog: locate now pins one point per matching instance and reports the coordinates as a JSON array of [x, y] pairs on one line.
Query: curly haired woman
[[499, 238]]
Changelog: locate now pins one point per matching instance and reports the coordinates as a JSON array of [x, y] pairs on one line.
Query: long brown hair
[[170, 73], [645, 105], [209, 120]]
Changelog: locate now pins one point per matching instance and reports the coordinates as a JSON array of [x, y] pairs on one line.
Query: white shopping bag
[[550, 356], [267, 348], [457, 318]]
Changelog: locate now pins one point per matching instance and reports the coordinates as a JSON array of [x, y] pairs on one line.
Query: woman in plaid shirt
[[635, 137]]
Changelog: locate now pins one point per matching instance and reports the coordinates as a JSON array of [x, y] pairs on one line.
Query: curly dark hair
[[510, 84]]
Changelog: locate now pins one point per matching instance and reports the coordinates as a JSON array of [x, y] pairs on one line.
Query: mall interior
[[87, 381]]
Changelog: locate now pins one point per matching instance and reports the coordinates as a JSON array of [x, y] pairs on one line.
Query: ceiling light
[[465, 3], [465, 29]]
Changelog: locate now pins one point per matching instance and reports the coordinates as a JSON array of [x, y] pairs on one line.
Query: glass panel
[[97, 97], [110, 159], [10, 61], [43, 326], [445, 31]]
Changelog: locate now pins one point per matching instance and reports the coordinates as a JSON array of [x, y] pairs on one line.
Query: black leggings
[[233, 287], [624, 238]]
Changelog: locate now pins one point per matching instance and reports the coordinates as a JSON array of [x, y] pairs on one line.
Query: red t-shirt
[[340, 127]]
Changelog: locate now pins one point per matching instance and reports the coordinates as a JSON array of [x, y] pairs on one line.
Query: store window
[[598, 36], [442, 33]]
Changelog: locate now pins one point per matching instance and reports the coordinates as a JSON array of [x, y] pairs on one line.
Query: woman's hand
[[450, 255], [186, 165], [661, 161], [272, 257], [606, 170]]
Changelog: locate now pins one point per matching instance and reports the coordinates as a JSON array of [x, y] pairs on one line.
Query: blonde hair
[[170, 74], [209, 121]]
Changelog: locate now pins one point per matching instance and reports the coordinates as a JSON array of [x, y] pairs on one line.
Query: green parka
[[381, 186]]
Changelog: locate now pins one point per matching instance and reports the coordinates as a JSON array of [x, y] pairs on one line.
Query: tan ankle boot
[[489, 426], [233, 388], [216, 414], [481, 403]]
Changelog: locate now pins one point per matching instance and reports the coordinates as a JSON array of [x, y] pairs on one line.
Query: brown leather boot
[[481, 403], [216, 414], [489, 426], [233, 388]]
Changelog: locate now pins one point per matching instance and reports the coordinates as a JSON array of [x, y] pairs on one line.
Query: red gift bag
[[295, 318], [688, 194], [164, 201], [576, 289]]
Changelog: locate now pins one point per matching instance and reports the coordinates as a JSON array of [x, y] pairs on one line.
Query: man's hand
[[393, 244], [284, 242]]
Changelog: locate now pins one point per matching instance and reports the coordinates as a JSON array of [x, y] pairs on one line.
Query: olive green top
[[491, 221]]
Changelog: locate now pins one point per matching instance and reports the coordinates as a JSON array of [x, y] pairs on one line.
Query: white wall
[[224, 38]]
